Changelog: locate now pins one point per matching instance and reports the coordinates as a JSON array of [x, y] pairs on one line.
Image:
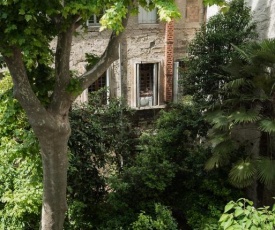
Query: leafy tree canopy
[[31, 25], [212, 48]]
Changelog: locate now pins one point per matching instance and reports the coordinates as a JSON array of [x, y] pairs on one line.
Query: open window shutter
[[175, 81], [145, 16], [137, 85], [155, 86]]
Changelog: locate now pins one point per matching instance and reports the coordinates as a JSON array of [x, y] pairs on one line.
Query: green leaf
[[248, 224], [267, 125], [21, 11], [227, 224], [224, 217], [228, 207], [28, 17], [238, 212]]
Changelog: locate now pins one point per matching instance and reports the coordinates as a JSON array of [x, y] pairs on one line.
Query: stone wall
[[264, 15], [141, 43]]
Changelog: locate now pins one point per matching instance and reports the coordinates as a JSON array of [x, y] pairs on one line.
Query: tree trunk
[[54, 150]]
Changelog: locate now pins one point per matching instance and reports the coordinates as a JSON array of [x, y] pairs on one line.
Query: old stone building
[[146, 72]]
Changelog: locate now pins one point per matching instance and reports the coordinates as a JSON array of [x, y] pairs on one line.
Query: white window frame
[[95, 21], [147, 17], [154, 101], [175, 82], [177, 91]]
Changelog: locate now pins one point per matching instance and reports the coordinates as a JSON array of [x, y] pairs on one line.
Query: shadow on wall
[[264, 15]]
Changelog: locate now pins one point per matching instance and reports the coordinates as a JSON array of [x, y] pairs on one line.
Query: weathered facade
[[264, 15], [146, 72]]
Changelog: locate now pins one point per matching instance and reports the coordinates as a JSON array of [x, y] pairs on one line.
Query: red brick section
[[169, 61]]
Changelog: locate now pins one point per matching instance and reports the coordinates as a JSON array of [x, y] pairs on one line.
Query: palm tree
[[244, 123]]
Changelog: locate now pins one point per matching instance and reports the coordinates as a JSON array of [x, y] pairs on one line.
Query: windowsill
[[93, 27], [149, 107], [149, 24]]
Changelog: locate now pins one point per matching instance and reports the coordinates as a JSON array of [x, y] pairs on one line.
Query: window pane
[[147, 85], [146, 79], [94, 19], [98, 84]]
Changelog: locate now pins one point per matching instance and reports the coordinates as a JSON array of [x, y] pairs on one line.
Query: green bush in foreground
[[162, 221], [242, 214]]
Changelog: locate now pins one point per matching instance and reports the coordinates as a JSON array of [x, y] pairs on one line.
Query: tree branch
[[22, 89], [110, 55], [61, 100]]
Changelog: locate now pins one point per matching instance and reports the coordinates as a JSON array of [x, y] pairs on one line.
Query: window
[[100, 83], [179, 67], [147, 85], [147, 17], [94, 20]]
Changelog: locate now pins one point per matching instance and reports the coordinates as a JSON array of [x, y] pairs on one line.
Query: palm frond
[[260, 94], [216, 160], [236, 83], [266, 171], [225, 147], [217, 136], [213, 162], [222, 146], [266, 53], [243, 173], [244, 116], [267, 125], [217, 118], [243, 54]]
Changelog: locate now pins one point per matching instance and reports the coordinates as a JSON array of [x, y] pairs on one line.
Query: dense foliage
[[211, 49], [250, 106], [101, 145], [169, 170], [232, 78], [20, 165], [158, 181]]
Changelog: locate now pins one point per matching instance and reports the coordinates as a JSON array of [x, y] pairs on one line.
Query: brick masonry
[[169, 60]]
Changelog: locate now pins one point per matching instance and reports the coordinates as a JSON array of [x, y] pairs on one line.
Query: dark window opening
[[100, 85], [147, 84]]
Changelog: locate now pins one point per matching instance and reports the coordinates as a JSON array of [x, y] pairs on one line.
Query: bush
[[101, 144], [163, 220], [20, 165], [243, 215]]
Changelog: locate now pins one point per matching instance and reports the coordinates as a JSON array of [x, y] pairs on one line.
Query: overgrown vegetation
[[20, 165], [119, 179], [211, 49], [101, 145]]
